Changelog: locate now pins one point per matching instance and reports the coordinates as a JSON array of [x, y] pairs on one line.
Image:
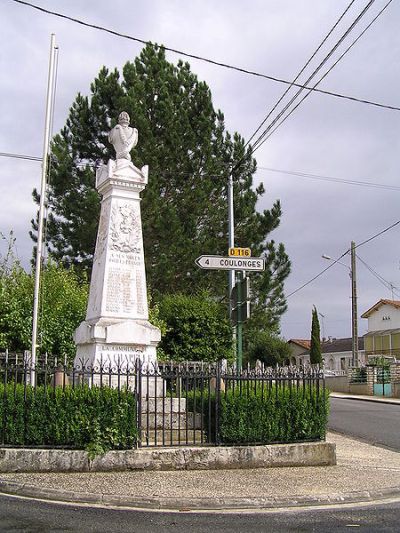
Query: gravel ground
[[361, 467]]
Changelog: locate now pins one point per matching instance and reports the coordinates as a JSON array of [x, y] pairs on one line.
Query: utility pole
[[46, 145], [354, 320]]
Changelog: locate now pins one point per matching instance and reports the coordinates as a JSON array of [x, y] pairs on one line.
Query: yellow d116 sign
[[239, 252]]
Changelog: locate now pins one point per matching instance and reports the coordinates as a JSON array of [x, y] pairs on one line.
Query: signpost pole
[[239, 349], [231, 244]]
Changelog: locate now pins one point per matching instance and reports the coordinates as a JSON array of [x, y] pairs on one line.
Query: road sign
[[239, 252], [217, 262]]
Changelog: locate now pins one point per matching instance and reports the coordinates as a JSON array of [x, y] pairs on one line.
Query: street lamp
[[354, 321]]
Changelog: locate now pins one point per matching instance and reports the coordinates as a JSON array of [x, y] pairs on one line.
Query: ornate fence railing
[[167, 404]]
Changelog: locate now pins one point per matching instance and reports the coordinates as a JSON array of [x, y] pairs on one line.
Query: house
[[383, 336], [336, 353]]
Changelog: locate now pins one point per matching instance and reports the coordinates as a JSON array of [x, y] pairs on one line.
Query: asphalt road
[[23, 515], [377, 423]]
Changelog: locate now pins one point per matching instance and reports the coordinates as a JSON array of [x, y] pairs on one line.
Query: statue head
[[123, 119]]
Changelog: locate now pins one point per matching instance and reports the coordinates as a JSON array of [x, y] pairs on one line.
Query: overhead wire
[[208, 60], [295, 173], [270, 133], [341, 256], [390, 286], [315, 71], [301, 71]]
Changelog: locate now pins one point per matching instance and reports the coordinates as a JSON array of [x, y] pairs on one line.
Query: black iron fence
[[167, 404]]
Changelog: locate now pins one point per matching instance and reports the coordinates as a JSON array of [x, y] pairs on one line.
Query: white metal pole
[[231, 237], [46, 146]]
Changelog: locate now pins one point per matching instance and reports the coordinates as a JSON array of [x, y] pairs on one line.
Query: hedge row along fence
[[120, 407]]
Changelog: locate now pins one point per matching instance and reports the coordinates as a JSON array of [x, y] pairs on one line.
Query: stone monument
[[116, 331]]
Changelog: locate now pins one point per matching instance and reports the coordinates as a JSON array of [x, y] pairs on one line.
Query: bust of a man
[[122, 137]]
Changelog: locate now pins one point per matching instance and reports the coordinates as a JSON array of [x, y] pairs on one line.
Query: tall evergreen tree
[[184, 209], [315, 349]]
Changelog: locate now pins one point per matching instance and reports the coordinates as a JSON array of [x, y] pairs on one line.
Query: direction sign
[[217, 262]]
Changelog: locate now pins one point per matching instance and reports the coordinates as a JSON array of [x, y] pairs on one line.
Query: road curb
[[364, 399], [195, 504]]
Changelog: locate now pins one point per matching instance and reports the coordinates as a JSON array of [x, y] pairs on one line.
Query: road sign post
[[239, 260]]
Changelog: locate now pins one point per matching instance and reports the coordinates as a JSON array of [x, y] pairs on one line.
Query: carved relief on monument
[[101, 241], [125, 230]]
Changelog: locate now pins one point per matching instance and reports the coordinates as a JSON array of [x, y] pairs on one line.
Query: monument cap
[[124, 117]]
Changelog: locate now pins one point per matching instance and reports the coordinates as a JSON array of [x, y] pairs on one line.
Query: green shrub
[[265, 414], [95, 418], [198, 328]]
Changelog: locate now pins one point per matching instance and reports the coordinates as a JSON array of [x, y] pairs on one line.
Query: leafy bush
[[198, 328], [63, 306], [266, 414], [268, 348], [95, 418]]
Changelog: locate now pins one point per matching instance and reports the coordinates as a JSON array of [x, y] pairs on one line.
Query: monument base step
[[178, 421], [173, 438]]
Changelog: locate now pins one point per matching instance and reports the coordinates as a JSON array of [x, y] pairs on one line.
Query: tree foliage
[[197, 328], [315, 349], [184, 209], [63, 307], [268, 348]]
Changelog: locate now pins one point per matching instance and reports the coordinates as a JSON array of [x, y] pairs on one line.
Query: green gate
[[382, 383]]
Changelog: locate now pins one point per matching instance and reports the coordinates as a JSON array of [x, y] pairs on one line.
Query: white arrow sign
[[217, 262]]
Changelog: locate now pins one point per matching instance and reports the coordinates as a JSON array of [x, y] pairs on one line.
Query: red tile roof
[[394, 303], [304, 343]]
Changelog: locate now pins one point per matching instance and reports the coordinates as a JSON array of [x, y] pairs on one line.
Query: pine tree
[[184, 207], [315, 349]]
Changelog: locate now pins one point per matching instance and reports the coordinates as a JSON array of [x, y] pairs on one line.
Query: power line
[[332, 179], [20, 156], [381, 279], [295, 173], [325, 75], [340, 257], [378, 234], [318, 275], [211, 61], [313, 74], [301, 71]]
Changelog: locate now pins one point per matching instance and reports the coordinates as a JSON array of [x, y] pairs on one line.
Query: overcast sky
[[324, 136]]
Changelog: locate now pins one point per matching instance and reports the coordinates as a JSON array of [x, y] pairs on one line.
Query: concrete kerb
[[195, 504], [363, 398], [14, 460]]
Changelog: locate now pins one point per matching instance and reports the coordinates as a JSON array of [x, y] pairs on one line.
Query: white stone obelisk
[[116, 331]]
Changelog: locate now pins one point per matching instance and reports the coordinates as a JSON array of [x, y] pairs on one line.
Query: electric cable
[[341, 256], [211, 61], [315, 72], [381, 279], [301, 71], [323, 77], [295, 173]]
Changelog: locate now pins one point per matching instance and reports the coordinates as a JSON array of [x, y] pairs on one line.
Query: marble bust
[[123, 137]]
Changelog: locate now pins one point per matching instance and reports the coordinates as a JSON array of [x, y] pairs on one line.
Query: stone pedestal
[[116, 331]]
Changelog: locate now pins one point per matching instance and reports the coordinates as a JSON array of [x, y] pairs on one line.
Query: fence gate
[[382, 383]]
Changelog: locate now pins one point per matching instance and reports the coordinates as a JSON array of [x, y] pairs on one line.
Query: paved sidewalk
[[363, 473], [378, 399]]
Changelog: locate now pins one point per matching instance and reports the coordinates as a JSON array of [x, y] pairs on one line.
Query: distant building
[[336, 353], [383, 337]]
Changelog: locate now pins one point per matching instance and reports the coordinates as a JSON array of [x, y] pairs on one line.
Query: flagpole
[[39, 246]]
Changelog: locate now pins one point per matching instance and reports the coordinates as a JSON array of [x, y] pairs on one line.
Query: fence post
[[217, 402], [138, 393]]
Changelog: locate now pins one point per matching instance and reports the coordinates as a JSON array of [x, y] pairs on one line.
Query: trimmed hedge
[[95, 418], [263, 415]]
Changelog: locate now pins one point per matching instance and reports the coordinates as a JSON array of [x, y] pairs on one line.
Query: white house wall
[[386, 317]]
